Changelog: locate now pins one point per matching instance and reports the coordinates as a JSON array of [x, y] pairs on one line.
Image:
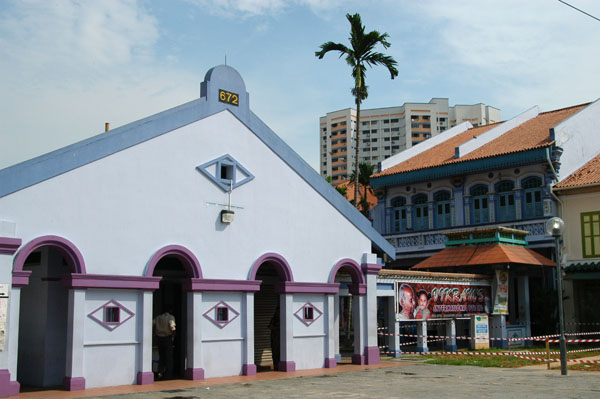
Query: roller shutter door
[[265, 303]]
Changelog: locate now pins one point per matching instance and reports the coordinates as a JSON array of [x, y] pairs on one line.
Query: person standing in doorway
[[164, 329], [274, 326]]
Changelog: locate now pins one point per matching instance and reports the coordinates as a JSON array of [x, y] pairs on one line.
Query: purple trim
[[330, 363], [8, 387], [103, 322], [308, 322], [145, 377], [357, 289], [221, 323], [249, 369], [20, 278], [371, 355], [287, 366], [358, 359], [283, 268], [14, 388], [9, 245], [196, 284], [68, 249], [370, 268], [290, 287], [184, 255], [80, 281], [352, 267], [74, 383], [194, 374]]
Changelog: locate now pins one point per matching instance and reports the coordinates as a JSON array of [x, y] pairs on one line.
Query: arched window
[[532, 197], [442, 209], [505, 201], [399, 215], [479, 200], [420, 212]]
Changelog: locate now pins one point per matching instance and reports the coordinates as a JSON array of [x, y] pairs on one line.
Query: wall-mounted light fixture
[[227, 216]]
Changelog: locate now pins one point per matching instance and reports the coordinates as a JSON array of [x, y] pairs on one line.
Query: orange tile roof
[[361, 189], [588, 174], [534, 133], [484, 255]]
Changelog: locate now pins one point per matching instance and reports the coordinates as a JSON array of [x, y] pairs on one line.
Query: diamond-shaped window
[[111, 315], [221, 314], [226, 172], [308, 313]]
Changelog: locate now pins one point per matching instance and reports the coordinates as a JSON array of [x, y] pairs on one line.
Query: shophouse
[[579, 196], [481, 178]]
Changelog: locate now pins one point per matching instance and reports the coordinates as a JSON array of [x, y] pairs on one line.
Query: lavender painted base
[[74, 383], [287, 366], [249, 369], [451, 348], [330, 363], [194, 374], [422, 349], [358, 359], [145, 378], [371, 355], [7, 387]]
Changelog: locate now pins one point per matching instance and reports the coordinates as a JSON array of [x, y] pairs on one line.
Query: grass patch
[[506, 361]]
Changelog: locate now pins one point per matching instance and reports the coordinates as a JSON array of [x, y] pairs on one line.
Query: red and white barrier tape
[[572, 341], [512, 354], [583, 333]]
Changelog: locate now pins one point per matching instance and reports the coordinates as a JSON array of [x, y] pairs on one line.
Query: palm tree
[[365, 170], [359, 56]]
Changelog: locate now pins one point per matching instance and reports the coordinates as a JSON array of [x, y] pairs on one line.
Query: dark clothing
[[275, 343], [165, 356]]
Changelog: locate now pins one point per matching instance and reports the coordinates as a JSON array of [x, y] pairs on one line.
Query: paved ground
[[409, 380], [392, 379]]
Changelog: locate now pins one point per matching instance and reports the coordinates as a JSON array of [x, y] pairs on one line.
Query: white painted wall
[[111, 357], [222, 348], [309, 341], [121, 209], [579, 136]]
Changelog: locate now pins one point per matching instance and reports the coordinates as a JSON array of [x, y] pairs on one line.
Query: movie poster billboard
[[501, 299], [422, 301]]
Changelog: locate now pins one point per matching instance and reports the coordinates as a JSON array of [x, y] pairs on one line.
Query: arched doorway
[[176, 266], [43, 343], [269, 325], [347, 313]]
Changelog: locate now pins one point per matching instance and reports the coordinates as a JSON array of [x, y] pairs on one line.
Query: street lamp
[[555, 227]]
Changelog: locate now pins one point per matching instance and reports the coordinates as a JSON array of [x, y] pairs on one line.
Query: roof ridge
[[566, 108]]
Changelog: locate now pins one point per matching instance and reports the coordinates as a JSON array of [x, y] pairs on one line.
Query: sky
[[69, 66]]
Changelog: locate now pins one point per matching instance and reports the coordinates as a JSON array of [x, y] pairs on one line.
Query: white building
[[99, 237], [387, 131]]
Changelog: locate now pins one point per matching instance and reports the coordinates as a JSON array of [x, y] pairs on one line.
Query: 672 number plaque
[[229, 97]]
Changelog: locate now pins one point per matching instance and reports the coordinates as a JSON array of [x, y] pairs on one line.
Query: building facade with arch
[[201, 209]]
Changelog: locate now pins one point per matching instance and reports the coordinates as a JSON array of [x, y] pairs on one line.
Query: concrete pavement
[[393, 379]]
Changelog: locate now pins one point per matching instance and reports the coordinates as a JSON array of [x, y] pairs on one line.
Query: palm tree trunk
[[356, 168]]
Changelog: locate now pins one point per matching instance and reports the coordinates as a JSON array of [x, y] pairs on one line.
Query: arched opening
[[347, 313], [269, 325], [169, 352], [43, 317]]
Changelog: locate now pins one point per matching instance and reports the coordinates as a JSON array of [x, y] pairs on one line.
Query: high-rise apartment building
[[387, 131]]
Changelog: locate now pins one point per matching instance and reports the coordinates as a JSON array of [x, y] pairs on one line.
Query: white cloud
[[70, 66], [253, 8], [536, 52]]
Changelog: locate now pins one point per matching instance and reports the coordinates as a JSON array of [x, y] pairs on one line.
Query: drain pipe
[[555, 176]]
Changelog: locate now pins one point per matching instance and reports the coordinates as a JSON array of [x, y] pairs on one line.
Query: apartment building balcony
[[428, 242]]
